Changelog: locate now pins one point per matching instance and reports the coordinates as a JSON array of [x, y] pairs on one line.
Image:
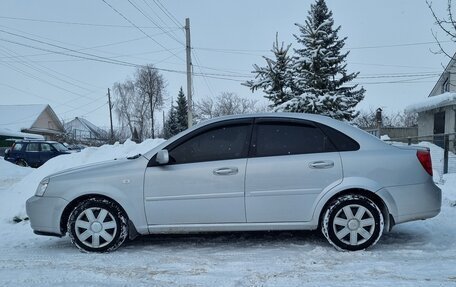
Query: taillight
[[424, 156]]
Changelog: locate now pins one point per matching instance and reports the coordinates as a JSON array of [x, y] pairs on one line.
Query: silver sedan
[[278, 171]]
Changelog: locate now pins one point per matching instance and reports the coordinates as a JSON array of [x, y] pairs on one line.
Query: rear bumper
[[412, 202], [45, 213]]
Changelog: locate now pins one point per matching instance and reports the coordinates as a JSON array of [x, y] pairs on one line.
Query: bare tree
[[150, 85], [367, 119], [131, 108], [225, 104], [447, 24]]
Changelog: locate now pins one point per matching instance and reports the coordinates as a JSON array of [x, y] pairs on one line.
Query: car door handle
[[226, 171], [322, 164]]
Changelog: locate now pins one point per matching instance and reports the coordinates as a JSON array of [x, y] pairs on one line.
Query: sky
[[68, 53]]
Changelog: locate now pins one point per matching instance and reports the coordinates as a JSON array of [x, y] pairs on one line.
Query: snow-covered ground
[[413, 254]]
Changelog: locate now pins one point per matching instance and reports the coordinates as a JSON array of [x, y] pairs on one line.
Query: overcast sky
[[390, 43]]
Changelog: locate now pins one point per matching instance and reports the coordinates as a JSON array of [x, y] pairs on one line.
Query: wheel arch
[[72, 205], [387, 217]]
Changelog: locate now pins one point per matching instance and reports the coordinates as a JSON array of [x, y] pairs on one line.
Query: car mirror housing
[[163, 157], [7, 151]]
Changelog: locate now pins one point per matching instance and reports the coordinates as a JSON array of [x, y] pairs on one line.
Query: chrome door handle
[[226, 171], [321, 164]]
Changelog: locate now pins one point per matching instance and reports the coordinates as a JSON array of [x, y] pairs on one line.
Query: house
[[28, 121], [437, 113], [82, 131]]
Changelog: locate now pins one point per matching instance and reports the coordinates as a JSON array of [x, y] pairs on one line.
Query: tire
[[352, 222], [21, 162], [97, 225]]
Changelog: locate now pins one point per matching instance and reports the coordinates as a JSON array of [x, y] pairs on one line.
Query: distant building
[[437, 114], [81, 130], [28, 121]]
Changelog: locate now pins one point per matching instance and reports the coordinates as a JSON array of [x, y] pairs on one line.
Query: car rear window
[[339, 139]]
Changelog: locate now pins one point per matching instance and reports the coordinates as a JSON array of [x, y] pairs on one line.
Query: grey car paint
[[270, 193]]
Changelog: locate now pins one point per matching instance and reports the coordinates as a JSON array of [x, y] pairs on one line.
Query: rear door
[[292, 162], [32, 154], [47, 152]]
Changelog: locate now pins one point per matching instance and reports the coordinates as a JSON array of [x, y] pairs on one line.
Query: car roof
[[365, 140], [35, 141]]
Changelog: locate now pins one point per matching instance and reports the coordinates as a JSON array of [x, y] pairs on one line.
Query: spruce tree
[[275, 78], [321, 82], [171, 125], [181, 111]]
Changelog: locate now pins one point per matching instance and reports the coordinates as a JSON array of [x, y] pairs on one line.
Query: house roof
[[443, 100], [78, 122], [450, 64], [16, 118]]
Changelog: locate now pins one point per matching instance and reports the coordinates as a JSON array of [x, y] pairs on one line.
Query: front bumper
[[412, 202], [45, 213]]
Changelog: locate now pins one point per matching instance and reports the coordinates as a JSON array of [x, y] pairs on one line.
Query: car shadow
[[251, 239]]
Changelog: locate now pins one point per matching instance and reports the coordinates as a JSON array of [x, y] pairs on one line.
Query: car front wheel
[[97, 225], [352, 222]]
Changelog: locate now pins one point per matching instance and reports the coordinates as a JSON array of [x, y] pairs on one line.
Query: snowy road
[[414, 254]]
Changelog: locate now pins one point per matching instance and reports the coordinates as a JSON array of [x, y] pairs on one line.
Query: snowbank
[[11, 173], [20, 192]]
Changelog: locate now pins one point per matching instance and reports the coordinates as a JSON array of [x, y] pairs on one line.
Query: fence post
[[446, 145], [409, 141]]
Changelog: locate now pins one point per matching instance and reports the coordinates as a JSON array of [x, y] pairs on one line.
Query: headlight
[[42, 187]]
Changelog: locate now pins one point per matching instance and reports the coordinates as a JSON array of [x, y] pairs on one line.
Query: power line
[[85, 24], [152, 20], [204, 75], [167, 13], [138, 28]]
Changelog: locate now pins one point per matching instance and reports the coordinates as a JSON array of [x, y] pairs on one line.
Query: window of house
[[446, 85]]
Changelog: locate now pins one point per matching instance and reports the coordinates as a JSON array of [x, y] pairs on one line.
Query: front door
[[291, 164], [439, 128], [204, 181]]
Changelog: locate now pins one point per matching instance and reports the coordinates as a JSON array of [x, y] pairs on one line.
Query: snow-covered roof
[[81, 123], [19, 117], [14, 134], [443, 100]]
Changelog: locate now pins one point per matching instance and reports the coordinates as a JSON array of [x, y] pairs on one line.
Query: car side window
[[46, 147], [17, 147], [220, 143], [33, 147], [339, 139], [289, 138]]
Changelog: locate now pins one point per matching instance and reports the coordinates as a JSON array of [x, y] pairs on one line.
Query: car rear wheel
[[97, 225], [352, 222]]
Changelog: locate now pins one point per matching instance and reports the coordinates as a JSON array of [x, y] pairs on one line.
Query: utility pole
[[189, 73], [111, 137]]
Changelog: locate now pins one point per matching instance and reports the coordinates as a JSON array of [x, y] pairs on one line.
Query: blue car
[[34, 153]]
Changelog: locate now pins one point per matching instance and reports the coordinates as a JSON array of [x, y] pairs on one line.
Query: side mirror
[[7, 151], [162, 157]]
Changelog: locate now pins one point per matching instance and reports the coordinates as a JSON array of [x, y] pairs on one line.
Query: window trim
[[204, 129]]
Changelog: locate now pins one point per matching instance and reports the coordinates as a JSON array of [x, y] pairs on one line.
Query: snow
[[434, 102], [16, 134], [27, 187], [18, 117], [421, 253]]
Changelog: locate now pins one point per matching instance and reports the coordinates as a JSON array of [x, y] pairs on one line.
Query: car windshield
[[59, 147]]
